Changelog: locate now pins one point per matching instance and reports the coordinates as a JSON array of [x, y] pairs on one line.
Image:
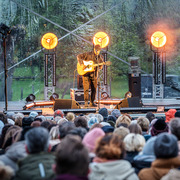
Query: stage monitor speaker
[[121, 104], [135, 85], [129, 102], [134, 102], [66, 104]]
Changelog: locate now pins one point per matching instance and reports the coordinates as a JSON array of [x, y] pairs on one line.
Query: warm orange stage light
[[101, 39], [49, 41], [158, 39]]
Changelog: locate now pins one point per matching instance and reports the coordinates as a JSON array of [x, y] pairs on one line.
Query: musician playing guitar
[[90, 72]]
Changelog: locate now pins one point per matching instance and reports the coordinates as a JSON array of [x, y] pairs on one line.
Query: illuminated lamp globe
[[101, 39], [49, 41], [158, 39]]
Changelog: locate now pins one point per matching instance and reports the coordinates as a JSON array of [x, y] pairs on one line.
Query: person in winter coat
[[166, 152], [108, 163], [38, 164], [146, 157], [15, 153]]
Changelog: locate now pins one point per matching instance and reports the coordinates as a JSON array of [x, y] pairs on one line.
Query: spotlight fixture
[[49, 41], [53, 97], [158, 39], [30, 98], [101, 38], [104, 95]]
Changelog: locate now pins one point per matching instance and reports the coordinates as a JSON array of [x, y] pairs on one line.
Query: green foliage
[[128, 25]]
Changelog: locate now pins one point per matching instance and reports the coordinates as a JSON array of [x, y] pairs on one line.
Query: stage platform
[[158, 106], [18, 105]]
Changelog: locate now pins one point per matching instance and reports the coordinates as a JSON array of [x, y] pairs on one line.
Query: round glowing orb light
[[101, 39], [158, 39], [49, 41]]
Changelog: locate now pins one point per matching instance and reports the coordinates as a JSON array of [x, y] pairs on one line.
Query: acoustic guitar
[[89, 66]]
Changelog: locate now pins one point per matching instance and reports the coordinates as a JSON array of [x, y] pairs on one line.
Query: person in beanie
[[33, 114], [108, 129], [90, 139], [166, 152], [104, 113], [116, 113], [99, 117], [111, 120], [26, 122], [158, 127], [58, 112], [92, 121]]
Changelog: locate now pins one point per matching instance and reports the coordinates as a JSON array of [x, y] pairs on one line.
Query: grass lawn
[[119, 86], [22, 88], [27, 86]]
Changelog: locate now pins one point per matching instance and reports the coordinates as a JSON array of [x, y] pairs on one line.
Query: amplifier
[[78, 95]]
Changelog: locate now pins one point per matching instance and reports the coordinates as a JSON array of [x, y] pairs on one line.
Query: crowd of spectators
[[106, 145]]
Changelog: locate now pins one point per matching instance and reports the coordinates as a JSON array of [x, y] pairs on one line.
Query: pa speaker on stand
[[134, 77], [135, 85]]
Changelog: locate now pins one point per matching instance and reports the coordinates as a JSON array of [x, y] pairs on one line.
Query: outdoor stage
[[157, 106]]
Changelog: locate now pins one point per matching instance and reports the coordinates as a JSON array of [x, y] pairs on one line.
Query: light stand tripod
[[5, 30]]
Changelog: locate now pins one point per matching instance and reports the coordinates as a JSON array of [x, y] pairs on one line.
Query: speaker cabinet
[[121, 104], [134, 102], [129, 102], [66, 104], [135, 85]]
